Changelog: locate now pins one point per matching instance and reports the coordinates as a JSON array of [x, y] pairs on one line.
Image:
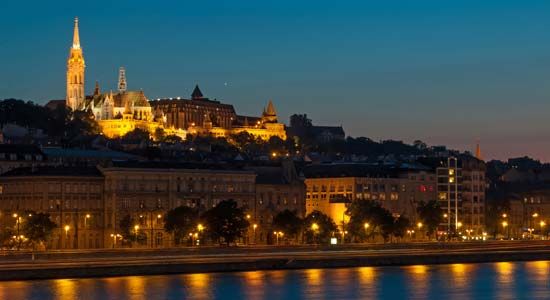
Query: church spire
[[75, 73], [76, 36], [97, 91], [478, 151]]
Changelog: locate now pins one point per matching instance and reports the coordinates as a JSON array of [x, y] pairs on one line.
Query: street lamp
[[254, 228], [314, 228], [86, 220], [419, 225], [67, 227], [410, 232], [542, 224], [504, 225], [136, 228]]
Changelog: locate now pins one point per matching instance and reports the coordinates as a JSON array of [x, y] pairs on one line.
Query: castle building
[[123, 111], [203, 116], [116, 113]]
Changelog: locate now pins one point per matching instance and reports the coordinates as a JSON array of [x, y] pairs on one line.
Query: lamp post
[[18, 225], [315, 229], [67, 227], [410, 232], [86, 217], [254, 228], [504, 225], [136, 228]]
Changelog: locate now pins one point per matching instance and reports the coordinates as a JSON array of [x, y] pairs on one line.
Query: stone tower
[[121, 80], [75, 73]]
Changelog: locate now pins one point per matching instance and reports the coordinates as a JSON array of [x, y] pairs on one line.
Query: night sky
[[445, 72]]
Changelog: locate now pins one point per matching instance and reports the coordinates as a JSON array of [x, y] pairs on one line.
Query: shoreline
[[245, 261]]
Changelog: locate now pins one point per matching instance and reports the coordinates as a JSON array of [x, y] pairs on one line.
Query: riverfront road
[[213, 259]]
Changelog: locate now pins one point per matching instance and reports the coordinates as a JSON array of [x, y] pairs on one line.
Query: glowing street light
[[86, 220], [67, 227], [254, 228], [419, 225]]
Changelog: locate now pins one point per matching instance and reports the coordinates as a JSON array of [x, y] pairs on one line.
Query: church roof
[[270, 111], [197, 94]]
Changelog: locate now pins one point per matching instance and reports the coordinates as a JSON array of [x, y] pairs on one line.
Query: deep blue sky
[[446, 72]]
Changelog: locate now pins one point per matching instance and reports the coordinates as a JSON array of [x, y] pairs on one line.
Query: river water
[[503, 280]]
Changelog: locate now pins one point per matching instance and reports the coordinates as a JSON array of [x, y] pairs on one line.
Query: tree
[[318, 228], [287, 222], [430, 215], [38, 228], [400, 226], [225, 223], [129, 232], [380, 221], [180, 221]]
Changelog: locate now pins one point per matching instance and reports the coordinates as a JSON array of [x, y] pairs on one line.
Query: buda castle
[[120, 112]]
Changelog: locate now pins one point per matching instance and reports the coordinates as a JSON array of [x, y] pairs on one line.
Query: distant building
[[277, 188], [332, 187], [72, 196], [92, 201], [14, 156]]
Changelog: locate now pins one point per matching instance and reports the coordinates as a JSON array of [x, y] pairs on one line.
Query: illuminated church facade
[[120, 112]]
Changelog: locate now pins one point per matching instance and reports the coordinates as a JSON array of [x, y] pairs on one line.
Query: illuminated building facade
[[203, 116], [330, 188], [88, 203]]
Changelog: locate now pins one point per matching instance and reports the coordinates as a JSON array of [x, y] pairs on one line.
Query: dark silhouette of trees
[[180, 221], [318, 228], [38, 228], [287, 222], [430, 215], [226, 222]]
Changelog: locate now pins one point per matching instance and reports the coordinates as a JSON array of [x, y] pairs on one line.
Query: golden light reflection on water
[[539, 269], [314, 282], [198, 284], [505, 272], [66, 289], [367, 282], [505, 279], [419, 283], [135, 285], [462, 274], [254, 284], [367, 275]]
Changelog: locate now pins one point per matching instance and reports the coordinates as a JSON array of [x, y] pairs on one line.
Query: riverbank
[[174, 261]]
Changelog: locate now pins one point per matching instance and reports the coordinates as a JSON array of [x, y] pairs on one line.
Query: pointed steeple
[[75, 73], [197, 94], [270, 109], [76, 36], [97, 91], [478, 151]]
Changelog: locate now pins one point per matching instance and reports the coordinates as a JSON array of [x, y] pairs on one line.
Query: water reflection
[[522, 280], [198, 285], [66, 289], [419, 281], [367, 282]]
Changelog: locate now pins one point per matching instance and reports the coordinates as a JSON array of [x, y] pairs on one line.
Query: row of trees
[[30, 230]]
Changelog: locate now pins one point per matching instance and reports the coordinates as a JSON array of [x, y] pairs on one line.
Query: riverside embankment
[[122, 262]]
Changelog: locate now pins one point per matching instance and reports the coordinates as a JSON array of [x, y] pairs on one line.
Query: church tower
[[121, 80], [75, 73]]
